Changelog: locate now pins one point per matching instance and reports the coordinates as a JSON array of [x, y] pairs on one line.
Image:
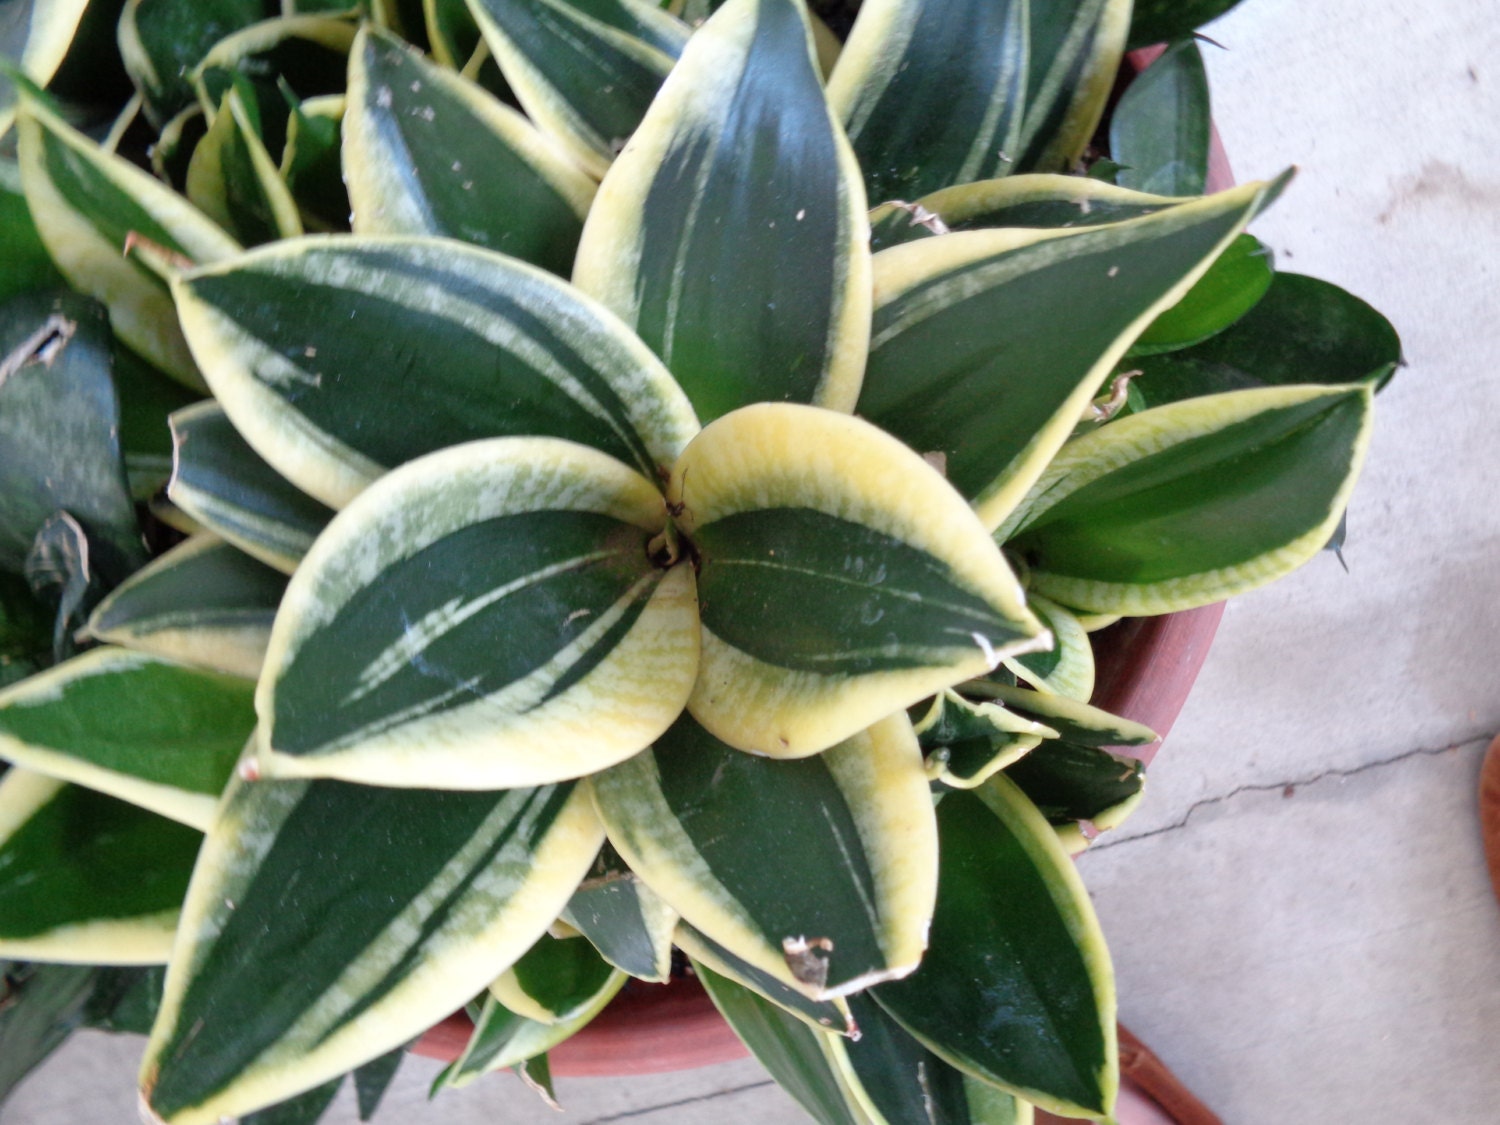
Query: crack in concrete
[[1271, 787], [644, 1110]]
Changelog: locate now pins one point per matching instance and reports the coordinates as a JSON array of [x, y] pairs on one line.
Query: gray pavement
[[1299, 914]]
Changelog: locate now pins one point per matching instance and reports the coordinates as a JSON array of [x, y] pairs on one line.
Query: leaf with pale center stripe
[[427, 151], [203, 602], [329, 923], [483, 617], [739, 149], [956, 363], [341, 358], [86, 203], [1190, 503], [1076, 47], [931, 92], [1040, 201], [584, 70], [840, 578], [146, 730], [85, 878], [222, 484], [715, 832], [1016, 987]]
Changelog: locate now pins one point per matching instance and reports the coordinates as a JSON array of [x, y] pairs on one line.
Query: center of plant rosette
[[496, 614]]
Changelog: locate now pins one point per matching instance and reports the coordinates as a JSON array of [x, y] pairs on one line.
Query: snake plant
[[493, 493]]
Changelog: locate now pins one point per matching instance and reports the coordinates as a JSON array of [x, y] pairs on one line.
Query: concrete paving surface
[[1299, 914]]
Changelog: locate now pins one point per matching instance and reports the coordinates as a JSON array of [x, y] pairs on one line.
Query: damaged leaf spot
[[42, 346], [921, 216], [808, 958]]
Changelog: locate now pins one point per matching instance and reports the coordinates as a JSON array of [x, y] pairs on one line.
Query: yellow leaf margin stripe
[[958, 265], [516, 895], [123, 941], [782, 455], [140, 308], [1152, 431], [881, 774], [617, 708]]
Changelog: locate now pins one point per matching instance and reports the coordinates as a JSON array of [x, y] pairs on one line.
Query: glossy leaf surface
[[821, 1015], [743, 119], [342, 358], [1016, 987], [1162, 21], [1233, 285], [955, 325], [329, 923], [840, 576], [1040, 201], [486, 616], [794, 1053], [627, 922], [1069, 782], [85, 878], [1189, 503], [222, 483], [715, 831], [60, 431], [86, 204], [204, 603], [554, 981], [235, 181], [1159, 133], [429, 152], [584, 71], [161, 41], [1075, 55], [932, 92], [1302, 331], [150, 732], [967, 741], [904, 1081]]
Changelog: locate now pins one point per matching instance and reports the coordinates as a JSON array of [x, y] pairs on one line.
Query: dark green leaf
[[1237, 280], [584, 70], [161, 41], [1016, 985], [389, 348], [627, 921], [28, 266], [788, 1048], [147, 397], [1162, 21], [932, 93], [40, 1006], [335, 922], [1075, 53], [222, 483], [1302, 331], [126, 1000], [745, 121], [1069, 782], [554, 980], [59, 428], [373, 1079], [311, 163], [428, 152], [1205, 498], [304, 1109], [1159, 133]]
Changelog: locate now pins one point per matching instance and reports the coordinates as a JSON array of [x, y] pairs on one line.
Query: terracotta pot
[[1146, 667]]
